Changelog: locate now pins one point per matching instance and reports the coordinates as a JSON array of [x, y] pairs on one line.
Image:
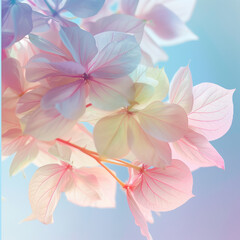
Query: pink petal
[[181, 89], [111, 94], [147, 149], [24, 157], [129, 6], [92, 187], [138, 215], [82, 188], [164, 189], [39, 68], [109, 134], [212, 111], [13, 141], [30, 100], [47, 125], [165, 28], [12, 75], [80, 43], [151, 48], [72, 94], [195, 151], [118, 55], [79, 136], [183, 9], [69, 68], [45, 189], [163, 121], [118, 23]]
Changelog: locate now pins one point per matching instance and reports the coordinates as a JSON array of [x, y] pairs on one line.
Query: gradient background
[[214, 214]]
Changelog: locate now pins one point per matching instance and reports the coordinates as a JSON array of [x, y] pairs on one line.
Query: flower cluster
[[59, 74]]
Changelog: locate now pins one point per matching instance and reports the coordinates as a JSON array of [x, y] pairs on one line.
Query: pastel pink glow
[[210, 113], [156, 189], [61, 76], [84, 187], [164, 23]]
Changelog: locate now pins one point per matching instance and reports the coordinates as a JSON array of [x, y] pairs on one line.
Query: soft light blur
[[214, 214]]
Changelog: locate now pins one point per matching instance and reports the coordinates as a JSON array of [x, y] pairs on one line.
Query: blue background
[[214, 214]]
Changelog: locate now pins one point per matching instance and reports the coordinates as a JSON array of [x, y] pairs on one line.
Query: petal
[[118, 55], [45, 189], [24, 157], [143, 93], [39, 68], [118, 23], [195, 151], [47, 125], [92, 187], [183, 9], [152, 50], [164, 121], [30, 100], [111, 94], [181, 89], [12, 75], [164, 189], [68, 99], [81, 137], [138, 214], [109, 134], [69, 68], [129, 6], [80, 43], [84, 8], [45, 45], [147, 149], [40, 22], [212, 111], [18, 22], [161, 89], [172, 31]]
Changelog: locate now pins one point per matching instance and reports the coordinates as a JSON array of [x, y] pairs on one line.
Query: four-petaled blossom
[[95, 66], [145, 127]]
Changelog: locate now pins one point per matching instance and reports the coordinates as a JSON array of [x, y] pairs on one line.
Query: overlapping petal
[[118, 23], [82, 186], [181, 89], [147, 149], [118, 55], [195, 151], [164, 121], [80, 43], [166, 28], [212, 110], [110, 133], [163, 189], [84, 8], [16, 22], [72, 94]]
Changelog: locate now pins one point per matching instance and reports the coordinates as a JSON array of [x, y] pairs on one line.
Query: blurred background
[[214, 214]]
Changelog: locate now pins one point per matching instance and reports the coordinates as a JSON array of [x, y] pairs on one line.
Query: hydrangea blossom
[[59, 73]]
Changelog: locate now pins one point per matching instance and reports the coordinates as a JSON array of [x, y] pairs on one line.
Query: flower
[[145, 130], [210, 112], [156, 189], [95, 66], [84, 187]]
